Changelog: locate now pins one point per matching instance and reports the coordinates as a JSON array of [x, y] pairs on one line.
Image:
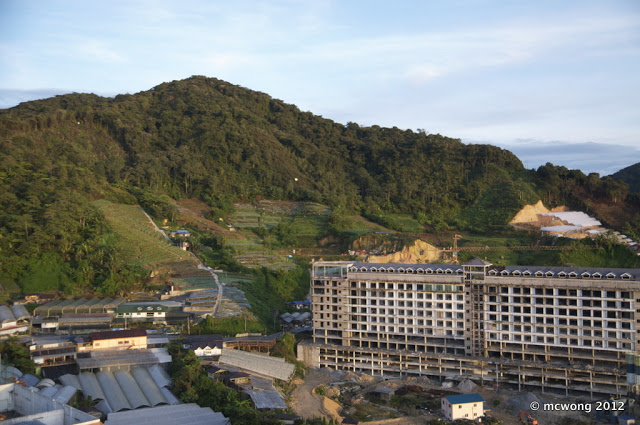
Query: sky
[[552, 81]]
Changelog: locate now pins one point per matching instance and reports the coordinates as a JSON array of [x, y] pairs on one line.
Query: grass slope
[[138, 239]]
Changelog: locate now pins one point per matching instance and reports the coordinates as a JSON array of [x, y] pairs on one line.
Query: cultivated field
[[142, 244]]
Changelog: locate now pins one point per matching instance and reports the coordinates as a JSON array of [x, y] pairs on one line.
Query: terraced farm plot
[[307, 230], [195, 282], [268, 214], [406, 223], [234, 303], [138, 239], [251, 252]]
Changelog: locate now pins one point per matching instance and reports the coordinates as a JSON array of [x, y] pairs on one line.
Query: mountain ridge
[[208, 139]]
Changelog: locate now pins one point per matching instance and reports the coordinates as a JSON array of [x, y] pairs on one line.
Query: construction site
[[558, 330]]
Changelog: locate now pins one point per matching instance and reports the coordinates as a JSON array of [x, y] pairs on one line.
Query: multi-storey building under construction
[[559, 329]]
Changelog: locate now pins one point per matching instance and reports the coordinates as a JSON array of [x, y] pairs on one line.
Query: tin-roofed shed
[[72, 308], [131, 389], [86, 307], [148, 386], [43, 310], [56, 310], [6, 316], [19, 312], [116, 398]]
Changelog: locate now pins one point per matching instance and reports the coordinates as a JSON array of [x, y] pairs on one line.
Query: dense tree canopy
[[202, 137]]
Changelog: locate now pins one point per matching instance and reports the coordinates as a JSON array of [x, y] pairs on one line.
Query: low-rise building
[[462, 406], [204, 345], [29, 407], [52, 352], [180, 234], [36, 298], [113, 340], [153, 312]]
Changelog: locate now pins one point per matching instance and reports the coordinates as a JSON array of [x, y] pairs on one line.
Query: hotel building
[[561, 329]]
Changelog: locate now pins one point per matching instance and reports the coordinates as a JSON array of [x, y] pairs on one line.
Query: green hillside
[[140, 243], [631, 176], [208, 139]]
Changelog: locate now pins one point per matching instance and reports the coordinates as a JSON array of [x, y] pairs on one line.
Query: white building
[[462, 406], [562, 328]]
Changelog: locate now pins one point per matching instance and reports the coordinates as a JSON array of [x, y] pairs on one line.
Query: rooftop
[[183, 414], [130, 333], [464, 398]]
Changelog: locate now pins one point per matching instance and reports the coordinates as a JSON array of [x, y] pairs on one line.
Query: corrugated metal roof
[[122, 358], [148, 386], [6, 315], [85, 308], [171, 399], [43, 310], [90, 386], [57, 308], [50, 391], [7, 373], [104, 407], [30, 380], [88, 318], [19, 312], [71, 380], [46, 382], [137, 388], [183, 414], [159, 375], [65, 394], [264, 365], [131, 389], [115, 396], [71, 308], [267, 399]]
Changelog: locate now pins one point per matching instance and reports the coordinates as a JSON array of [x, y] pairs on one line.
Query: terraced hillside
[[141, 242], [307, 222], [268, 214]]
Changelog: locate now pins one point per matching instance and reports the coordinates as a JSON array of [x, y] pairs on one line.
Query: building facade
[[555, 328], [462, 406], [113, 340]]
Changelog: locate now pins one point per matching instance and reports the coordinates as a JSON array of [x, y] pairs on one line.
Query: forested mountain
[[206, 138], [631, 176]]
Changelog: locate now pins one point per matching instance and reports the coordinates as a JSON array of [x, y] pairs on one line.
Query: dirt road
[[304, 402]]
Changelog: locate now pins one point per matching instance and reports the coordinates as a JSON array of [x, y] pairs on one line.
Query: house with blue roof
[[180, 234], [462, 406]]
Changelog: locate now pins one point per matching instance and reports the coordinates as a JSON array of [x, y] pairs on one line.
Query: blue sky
[[554, 81]]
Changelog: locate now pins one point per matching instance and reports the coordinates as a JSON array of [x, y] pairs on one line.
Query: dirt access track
[[308, 404]]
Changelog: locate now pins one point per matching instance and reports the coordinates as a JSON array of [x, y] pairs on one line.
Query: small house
[[204, 345], [385, 393], [462, 406], [180, 234]]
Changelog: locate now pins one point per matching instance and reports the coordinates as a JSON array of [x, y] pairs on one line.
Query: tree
[[17, 355]]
